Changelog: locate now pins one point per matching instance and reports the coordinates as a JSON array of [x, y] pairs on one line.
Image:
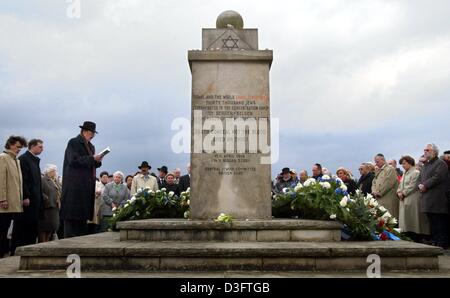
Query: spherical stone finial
[[229, 17]]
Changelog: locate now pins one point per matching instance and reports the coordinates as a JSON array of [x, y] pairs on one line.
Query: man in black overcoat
[[25, 225], [78, 186], [185, 180]]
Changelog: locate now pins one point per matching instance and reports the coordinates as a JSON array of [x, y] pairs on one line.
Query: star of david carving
[[230, 43]]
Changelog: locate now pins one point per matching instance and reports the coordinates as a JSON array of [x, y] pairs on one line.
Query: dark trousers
[[439, 229], [75, 228], [24, 232], [5, 222], [93, 228]]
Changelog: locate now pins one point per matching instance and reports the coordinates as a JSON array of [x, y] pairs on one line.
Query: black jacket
[[172, 187], [78, 187], [161, 182], [351, 186], [365, 183], [32, 187], [184, 183]]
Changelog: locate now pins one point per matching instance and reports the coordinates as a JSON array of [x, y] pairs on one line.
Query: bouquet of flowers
[[147, 203]]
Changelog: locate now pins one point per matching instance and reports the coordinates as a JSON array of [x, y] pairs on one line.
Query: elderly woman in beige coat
[[11, 196], [384, 185], [411, 221]]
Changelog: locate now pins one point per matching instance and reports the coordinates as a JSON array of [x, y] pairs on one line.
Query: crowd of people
[[418, 196], [37, 206]]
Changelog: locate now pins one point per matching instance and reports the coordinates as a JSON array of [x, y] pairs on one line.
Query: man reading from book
[[78, 187]]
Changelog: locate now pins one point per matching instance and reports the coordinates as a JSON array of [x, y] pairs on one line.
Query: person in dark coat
[[78, 186], [170, 185], [51, 191], [365, 181], [185, 180], [344, 175], [162, 174], [433, 183], [25, 226]]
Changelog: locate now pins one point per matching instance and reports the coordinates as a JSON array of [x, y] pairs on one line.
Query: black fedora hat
[[144, 164], [163, 169], [88, 125], [285, 171]]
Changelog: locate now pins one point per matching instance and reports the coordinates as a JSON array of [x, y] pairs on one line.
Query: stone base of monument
[[251, 230], [115, 250]]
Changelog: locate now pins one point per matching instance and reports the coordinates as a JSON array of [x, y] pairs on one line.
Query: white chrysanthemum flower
[[163, 189], [114, 209], [369, 196], [298, 187], [343, 202], [126, 205], [382, 209], [133, 198], [343, 187], [151, 192], [325, 185], [326, 177], [171, 193], [147, 187], [285, 190], [358, 192], [333, 216], [338, 181], [183, 194], [158, 191], [114, 215], [310, 181], [188, 202], [188, 189]]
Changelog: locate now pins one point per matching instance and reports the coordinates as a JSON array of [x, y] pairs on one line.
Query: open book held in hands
[[104, 152]]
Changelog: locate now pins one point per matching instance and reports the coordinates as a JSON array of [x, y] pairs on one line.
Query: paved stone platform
[[106, 252], [207, 230]]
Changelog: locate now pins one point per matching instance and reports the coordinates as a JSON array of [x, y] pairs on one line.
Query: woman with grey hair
[[114, 195], [51, 192]]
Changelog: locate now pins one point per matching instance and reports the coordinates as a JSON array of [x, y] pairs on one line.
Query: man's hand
[[422, 188], [98, 158], [4, 204], [375, 194], [400, 195], [26, 202]]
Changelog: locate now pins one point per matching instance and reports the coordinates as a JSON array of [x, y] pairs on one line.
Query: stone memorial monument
[[230, 139], [230, 162]]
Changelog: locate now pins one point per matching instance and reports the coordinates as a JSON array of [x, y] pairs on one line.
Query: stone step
[[106, 252], [253, 230]]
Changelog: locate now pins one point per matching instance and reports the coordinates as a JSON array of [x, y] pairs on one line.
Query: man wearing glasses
[[433, 183]]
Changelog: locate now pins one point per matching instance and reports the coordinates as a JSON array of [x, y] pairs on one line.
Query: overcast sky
[[349, 78]]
